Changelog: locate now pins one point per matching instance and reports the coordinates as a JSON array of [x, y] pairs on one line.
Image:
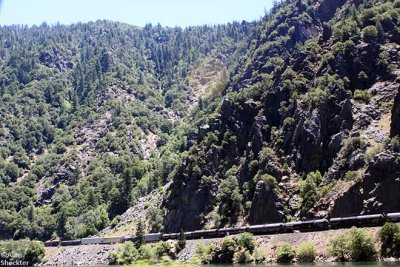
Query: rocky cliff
[[308, 126]]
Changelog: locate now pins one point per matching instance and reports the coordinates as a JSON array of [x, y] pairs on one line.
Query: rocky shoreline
[[84, 255]]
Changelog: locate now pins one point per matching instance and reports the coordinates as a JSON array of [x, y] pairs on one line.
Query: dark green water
[[352, 264], [335, 264]]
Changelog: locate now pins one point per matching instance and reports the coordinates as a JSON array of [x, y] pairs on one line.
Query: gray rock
[[264, 208]]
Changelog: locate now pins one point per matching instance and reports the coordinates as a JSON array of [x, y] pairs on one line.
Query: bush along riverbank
[[21, 253], [139, 252], [355, 245]]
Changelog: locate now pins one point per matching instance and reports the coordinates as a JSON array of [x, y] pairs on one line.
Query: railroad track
[[262, 229]]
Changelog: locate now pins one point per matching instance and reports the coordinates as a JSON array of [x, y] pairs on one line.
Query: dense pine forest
[[93, 117], [293, 116]]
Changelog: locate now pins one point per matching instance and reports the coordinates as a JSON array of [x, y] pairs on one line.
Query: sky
[[136, 12]]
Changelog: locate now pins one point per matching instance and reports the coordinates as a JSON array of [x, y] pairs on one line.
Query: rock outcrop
[[291, 111], [377, 192], [264, 206], [327, 8], [395, 124]]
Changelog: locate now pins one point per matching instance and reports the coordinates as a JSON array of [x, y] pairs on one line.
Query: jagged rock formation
[[263, 207], [395, 124], [320, 100], [377, 193]]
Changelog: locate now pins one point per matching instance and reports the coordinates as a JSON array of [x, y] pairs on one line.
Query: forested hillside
[[294, 116], [93, 117]]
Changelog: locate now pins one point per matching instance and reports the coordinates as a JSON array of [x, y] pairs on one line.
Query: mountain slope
[[304, 128], [93, 118], [290, 117]]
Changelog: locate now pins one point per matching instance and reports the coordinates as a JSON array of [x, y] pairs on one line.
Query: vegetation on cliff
[[295, 129]]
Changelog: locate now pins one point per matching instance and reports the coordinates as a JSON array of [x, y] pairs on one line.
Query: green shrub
[[339, 248], [385, 63], [313, 46], [357, 246], [395, 143], [181, 244], [361, 246], [362, 76], [316, 96], [268, 180], [243, 256], [346, 30], [362, 95], [306, 252], [247, 241], [316, 177], [387, 237], [344, 48], [396, 242], [253, 166], [230, 250], [324, 190], [285, 253], [205, 253], [352, 144], [155, 216], [226, 251], [162, 248], [309, 193], [259, 255], [31, 252], [12, 171], [267, 154], [116, 221], [373, 152], [288, 122], [147, 252], [353, 176], [369, 33], [230, 199], [140, 232], [125, 254]]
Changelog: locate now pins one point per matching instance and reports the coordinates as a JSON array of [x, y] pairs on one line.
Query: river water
[[347, 264]]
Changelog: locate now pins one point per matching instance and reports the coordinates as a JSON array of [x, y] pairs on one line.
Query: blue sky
[[166, 12]]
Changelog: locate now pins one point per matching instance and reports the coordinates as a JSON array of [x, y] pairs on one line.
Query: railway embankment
[[90, 255], [267, 243], [83, 255]]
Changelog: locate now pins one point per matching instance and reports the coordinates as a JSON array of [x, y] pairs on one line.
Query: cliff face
[[308, 126], [377, 193]]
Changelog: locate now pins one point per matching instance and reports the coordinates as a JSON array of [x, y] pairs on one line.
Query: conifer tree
[[140, 231]]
